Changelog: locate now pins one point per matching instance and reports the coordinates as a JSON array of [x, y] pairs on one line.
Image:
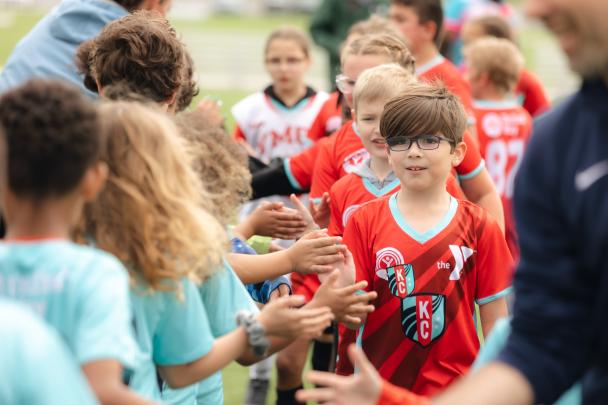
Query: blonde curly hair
[[150, 213], [220, 162]]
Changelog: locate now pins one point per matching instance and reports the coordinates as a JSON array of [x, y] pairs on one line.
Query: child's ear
[[458, 153], [94, 180], [353, 114], [430, 29]]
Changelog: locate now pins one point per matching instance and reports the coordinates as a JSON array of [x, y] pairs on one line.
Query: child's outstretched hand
[[210, 111], [362, 388], [274, 220], [346, 269], [281, 317], [311, 225], [320, 211], [349, 304], [316, 252]]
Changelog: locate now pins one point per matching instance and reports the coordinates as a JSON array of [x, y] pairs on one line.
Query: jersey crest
[[354, 159], [385, 258], [423, 317]]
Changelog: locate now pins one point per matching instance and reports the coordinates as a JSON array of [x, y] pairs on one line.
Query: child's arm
[[105, 379], [274, 220], [491, 312], [314, 253], [278, 318]]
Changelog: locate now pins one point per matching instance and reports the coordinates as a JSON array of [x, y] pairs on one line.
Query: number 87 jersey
[[503, 129]]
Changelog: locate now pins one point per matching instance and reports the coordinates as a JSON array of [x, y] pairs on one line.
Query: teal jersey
[[497, 339], [223, 295], [172, 328], [36, 366], [81, 291]]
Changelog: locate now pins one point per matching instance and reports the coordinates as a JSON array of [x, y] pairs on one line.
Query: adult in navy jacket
[[48, 50], [560, 317]]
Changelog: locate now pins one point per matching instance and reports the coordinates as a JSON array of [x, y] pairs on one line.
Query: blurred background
[[226, 39]]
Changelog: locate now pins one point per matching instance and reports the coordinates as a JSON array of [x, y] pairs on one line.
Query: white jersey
[[273, 130]]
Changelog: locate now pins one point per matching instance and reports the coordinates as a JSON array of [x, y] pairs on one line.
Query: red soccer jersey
[[422, 333], [442, 70], [329, 119], [503, 129], [532, 94], [345, 151]]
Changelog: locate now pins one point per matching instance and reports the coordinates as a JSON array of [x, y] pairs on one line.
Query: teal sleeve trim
[[494, 297], [292, 180], [474, 173]]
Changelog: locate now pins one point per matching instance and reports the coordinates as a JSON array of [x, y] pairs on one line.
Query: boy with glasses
[[429, 256]]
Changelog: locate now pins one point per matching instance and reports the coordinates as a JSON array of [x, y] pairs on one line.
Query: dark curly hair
[[141, 50], [52, 136]]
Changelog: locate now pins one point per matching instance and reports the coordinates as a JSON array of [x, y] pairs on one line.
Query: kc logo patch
[[401, 280], [423, 317]]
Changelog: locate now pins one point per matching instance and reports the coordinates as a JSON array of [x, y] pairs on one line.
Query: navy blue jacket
[[560, 316]]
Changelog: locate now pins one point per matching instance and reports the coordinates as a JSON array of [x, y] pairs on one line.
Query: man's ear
[[458, 153], [93, 181]]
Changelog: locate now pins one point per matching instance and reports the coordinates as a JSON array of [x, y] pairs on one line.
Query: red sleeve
[[472, 163], [393, 395], [300, 166], [356, 239], [535, 97], [239, 135], [494, 262], [324, 172], [335, 216]]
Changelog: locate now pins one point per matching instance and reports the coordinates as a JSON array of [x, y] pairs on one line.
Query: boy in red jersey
[[503, 126], [420, 21], [429, 256], [529, 90]]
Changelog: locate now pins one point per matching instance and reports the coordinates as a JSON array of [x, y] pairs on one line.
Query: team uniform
[[422, 333], [36, 367], [171, 330], [82, 292], [329, 119], [531, 94], [273, 130], [503, 129], [222, 295], [344, 151]]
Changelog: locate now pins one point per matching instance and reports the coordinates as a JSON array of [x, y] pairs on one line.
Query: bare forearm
[[255, 269], [495, 384], [226, 349]]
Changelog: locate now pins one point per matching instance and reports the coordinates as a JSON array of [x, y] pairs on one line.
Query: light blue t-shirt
[[172, 328], [36, 367], [223, 295], [81, 291], [494, 344], [48, 50]]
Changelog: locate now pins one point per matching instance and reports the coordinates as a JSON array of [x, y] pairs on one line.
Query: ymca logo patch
[[461, 255], [354, 159], [423, 317], [385, 258]]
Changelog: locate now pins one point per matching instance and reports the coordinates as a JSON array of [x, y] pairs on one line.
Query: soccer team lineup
[[426, 224]]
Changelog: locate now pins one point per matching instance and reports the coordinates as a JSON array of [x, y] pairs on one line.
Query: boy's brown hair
[[392, 46], [426, 10], [140, 50], [289, 33], [424, 109], [498, 58], [52, 136]]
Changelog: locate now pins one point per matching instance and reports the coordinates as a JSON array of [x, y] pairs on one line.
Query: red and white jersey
[[422, 334], [329, 119], [273, 130], [503, 129]]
